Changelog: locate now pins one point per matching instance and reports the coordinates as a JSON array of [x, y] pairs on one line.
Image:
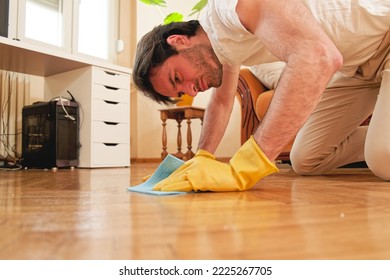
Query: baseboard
[[145, 160], [361, 164]]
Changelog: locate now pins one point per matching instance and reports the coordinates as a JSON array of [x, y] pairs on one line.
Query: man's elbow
[[324, 58], [337, 60], [330, 58]]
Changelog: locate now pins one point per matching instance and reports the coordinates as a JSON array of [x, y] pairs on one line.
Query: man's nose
[[190, 89]]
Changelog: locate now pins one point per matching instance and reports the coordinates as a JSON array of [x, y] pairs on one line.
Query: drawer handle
[[111, 144], [110, 102], [111, 123], [111, 88], [111, 73]]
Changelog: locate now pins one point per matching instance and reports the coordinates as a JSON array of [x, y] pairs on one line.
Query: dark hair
[[152, 50]]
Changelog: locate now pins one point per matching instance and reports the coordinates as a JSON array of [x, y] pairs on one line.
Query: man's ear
[[179, 41]]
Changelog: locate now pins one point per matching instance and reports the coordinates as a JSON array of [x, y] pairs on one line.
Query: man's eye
[[176, 78]]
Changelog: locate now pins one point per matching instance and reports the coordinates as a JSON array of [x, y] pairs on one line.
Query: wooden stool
[[179, 114]]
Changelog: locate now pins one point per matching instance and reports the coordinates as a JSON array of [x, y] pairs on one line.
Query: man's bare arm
[[219, 110], [290, 32]]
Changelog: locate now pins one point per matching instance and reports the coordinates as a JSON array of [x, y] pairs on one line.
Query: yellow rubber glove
[[204, 173], [146, 177]]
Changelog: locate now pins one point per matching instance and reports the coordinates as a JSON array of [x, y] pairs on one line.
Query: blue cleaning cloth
[[166, 167]]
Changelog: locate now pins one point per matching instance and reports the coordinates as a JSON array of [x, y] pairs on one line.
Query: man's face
[[193, 70]]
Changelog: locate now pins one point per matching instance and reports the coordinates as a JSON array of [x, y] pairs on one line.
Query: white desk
[[102, 90], [25, 58]]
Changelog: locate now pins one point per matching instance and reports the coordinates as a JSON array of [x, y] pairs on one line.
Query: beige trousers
[[333, 137]]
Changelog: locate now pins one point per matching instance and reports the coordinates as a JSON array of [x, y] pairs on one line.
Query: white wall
[[36, 89], [148, 126]]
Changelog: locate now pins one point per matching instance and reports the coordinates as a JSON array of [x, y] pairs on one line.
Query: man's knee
[[304, 163], [378, 160]]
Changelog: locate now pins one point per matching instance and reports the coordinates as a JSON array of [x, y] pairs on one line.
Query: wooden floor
[[89, 214]]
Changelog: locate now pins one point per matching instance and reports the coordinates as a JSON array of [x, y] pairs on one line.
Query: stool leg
[[179, 154], [164, 152], [189, 153]]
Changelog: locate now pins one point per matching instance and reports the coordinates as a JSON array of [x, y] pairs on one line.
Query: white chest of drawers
[[104, 98]]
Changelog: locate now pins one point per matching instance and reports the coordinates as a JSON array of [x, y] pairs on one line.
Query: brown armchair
[[254, 99]]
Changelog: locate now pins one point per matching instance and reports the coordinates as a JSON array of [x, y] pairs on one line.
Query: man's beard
[[204, 59]]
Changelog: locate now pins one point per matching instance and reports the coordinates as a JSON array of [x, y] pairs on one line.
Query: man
[[346, 42]]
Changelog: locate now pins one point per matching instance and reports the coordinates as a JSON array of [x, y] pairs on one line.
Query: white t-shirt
[[357, 28]]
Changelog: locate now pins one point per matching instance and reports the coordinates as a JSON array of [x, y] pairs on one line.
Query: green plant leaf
[[198, 7], [160, 3], [173, 17]]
